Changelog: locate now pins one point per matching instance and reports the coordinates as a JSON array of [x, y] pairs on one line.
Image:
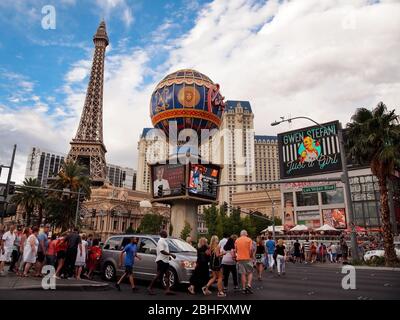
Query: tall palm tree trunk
[[40, 214], [28, 217], [390, 254]]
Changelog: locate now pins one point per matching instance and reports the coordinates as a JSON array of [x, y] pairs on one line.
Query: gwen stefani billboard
[[309, 151]]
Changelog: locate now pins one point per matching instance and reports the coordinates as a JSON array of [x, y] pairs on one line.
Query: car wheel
[[109, 272], [374, 259], [173, 279]]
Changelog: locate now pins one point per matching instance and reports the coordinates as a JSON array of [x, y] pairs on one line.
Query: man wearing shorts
[[162, 261], [43, 238], [6, 247], [270, 249], [130, 252], [244, 254]]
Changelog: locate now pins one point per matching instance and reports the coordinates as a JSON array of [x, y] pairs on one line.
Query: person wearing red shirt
[[60, 250], [94, 257]]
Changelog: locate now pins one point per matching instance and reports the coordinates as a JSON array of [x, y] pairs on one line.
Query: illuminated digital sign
[[203, 180], [309, 151], [167, 180]]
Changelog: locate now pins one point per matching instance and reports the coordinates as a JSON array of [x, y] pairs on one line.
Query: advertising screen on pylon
[[167, 180], [203, 180]]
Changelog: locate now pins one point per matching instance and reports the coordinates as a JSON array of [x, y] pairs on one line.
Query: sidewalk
[[12, 282]]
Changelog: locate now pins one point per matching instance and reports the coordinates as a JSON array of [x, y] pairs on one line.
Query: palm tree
[[374, 138], [61, 209], [30, 197], [72, 176]]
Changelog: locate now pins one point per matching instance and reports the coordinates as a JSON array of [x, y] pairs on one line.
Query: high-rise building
[[151, 148], [266, 160], [121, 177], [235, 141], [43, 165]]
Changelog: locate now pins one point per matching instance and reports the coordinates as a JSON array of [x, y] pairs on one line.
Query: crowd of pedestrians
[[75, 255], [28, 250], [234, 256], [312, 252]]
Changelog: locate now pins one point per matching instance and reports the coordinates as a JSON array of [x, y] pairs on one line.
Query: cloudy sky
[[320, 58]]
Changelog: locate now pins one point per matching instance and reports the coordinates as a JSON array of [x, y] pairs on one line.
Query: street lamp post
[[7, 190], [273, 214], [67, 191], [344, 178], [77, 207]]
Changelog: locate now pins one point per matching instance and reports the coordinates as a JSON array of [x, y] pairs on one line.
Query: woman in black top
[[280, 253], [260, 253], [201, 273], [215, 265], [297, 253]]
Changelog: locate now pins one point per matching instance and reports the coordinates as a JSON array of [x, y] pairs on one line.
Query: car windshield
[[180, 246], [177, 245]]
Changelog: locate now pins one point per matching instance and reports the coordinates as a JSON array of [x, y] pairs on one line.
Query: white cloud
[[27, 127], [313, 58], [110, 8], [18, 86], [127, 17], [321, 59], [79, 71], [162, 33], [125, 105], [68, 2]]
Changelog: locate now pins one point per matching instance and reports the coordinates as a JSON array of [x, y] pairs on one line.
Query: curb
[[64, 287]]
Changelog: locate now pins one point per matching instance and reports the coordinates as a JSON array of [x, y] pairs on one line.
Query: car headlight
[[188, 264]]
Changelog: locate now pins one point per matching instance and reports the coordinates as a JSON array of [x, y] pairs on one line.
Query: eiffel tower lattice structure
[[87, 148]]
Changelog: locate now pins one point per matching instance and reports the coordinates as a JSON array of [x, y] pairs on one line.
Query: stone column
[[181, 211]]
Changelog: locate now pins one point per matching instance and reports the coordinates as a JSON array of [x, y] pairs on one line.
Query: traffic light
[[183, 188], [11, 189], [160, 191], [225, 206], [81, 197], [93, 213]]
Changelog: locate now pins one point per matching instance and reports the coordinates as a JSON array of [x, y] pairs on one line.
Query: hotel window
[[306, 199], [331, 197]]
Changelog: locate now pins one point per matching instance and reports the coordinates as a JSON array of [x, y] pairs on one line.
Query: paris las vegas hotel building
[[259, 155]]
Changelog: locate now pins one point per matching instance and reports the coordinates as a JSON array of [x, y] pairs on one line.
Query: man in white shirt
[[162, 260], [6, 247], [160, 181], [223, 241]]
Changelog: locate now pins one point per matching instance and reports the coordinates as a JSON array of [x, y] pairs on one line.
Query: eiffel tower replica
[[87, 148]]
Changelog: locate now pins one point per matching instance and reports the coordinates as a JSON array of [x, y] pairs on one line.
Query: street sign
[[316, 189]]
